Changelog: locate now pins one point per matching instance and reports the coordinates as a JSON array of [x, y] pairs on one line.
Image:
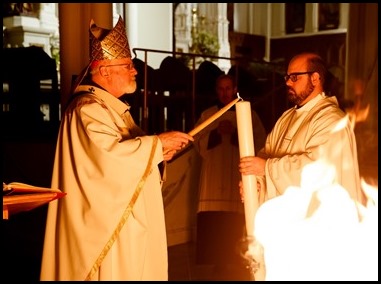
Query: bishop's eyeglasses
[[129, 66]]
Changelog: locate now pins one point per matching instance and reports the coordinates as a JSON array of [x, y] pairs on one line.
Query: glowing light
[[317, 232]]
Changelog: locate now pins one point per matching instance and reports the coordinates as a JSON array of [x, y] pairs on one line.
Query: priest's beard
[[298, 99]]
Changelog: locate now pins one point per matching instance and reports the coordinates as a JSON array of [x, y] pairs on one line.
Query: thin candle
[[204, 124]]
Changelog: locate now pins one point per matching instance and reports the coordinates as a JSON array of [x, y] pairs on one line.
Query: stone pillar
[[74, 21], [117, 10], [183, 26], [223, 37], [48, 15], [216, 23]]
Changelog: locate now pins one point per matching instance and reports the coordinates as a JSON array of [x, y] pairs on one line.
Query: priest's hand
[[252, 165]]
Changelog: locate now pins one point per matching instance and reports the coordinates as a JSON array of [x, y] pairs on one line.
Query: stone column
[[48, 15], [183, 26], [215, 15], [223, 37], [118, 10], [74, 21]]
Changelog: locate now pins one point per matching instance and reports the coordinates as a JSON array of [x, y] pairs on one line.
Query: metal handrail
[[193, 56]]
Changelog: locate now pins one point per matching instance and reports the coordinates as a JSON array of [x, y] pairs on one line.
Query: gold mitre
[[109, 44], [105, 44]]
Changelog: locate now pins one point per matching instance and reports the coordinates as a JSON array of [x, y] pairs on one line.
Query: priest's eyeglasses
[[294, 76]]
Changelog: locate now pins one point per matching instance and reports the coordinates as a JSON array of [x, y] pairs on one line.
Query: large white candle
[[246, 148]]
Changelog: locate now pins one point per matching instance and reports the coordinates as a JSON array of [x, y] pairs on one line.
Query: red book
[[19, 197]]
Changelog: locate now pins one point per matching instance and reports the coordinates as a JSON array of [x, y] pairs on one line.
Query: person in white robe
[[220, 217], [314, 129], [110, 225]]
